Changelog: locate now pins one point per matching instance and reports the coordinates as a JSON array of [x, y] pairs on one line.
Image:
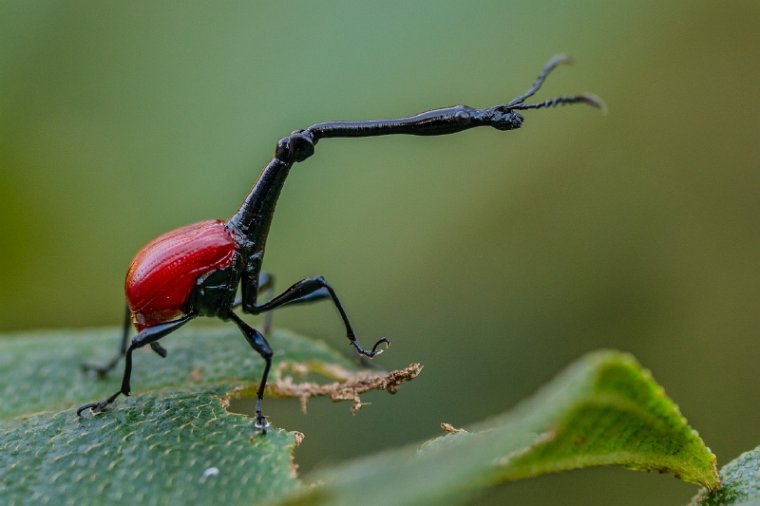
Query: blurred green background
[[493, 258]]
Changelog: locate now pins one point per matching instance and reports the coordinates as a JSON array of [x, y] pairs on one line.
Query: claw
[[382, 340], [94, 407], [261, 424], [375, 352], [97, 407]]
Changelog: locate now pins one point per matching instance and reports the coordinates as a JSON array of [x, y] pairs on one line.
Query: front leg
[[147, 336], [103, 370], [266, 285], [316, 288]]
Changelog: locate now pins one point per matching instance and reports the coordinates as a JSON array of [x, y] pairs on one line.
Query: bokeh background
[[493, 258]]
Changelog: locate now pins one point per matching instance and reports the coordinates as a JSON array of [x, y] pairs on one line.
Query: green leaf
[[43, 371], [181, 448], [605, 409], [741, 483], [172, 442]]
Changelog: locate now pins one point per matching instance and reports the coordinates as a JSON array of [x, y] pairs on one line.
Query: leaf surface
[[181, 448], [42, 371], [172, 442], [605, 409], [741, 483]]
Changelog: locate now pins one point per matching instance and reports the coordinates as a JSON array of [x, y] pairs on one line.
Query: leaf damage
[[349, 385]]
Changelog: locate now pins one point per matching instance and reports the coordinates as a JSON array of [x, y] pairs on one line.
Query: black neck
[[255, 214]]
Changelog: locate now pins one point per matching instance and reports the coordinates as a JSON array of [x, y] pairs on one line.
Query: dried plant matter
[[348, 385]]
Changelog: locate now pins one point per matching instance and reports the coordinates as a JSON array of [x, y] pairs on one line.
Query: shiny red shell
[[164, 272]]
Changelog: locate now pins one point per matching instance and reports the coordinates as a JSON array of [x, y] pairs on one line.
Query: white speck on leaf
[[211, 471]]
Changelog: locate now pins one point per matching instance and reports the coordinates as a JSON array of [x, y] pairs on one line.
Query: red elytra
[[163, 273]]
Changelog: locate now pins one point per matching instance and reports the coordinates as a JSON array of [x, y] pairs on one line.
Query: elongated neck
[[254, 217], [255, 214]]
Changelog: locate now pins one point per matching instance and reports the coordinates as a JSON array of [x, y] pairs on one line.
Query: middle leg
[[316, 288], [259, 343], [266, 285]]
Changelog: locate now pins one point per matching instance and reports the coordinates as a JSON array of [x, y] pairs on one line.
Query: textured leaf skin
[[151, 449], [613, 413], [41, 372], [155, 446], [741, 483], [166, 447], [605, 409]]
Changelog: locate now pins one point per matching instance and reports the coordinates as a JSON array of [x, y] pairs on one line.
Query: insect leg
[[259, 343], [266, 284], [147, 336], [313, 289], [103, 370]]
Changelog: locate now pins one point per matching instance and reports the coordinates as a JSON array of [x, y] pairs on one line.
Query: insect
[[196, 270]]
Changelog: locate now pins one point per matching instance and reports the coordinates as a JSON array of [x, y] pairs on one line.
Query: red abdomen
[[164, 272]]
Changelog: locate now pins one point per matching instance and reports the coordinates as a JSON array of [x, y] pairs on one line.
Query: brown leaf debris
[[349, 387], [450, 429]]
